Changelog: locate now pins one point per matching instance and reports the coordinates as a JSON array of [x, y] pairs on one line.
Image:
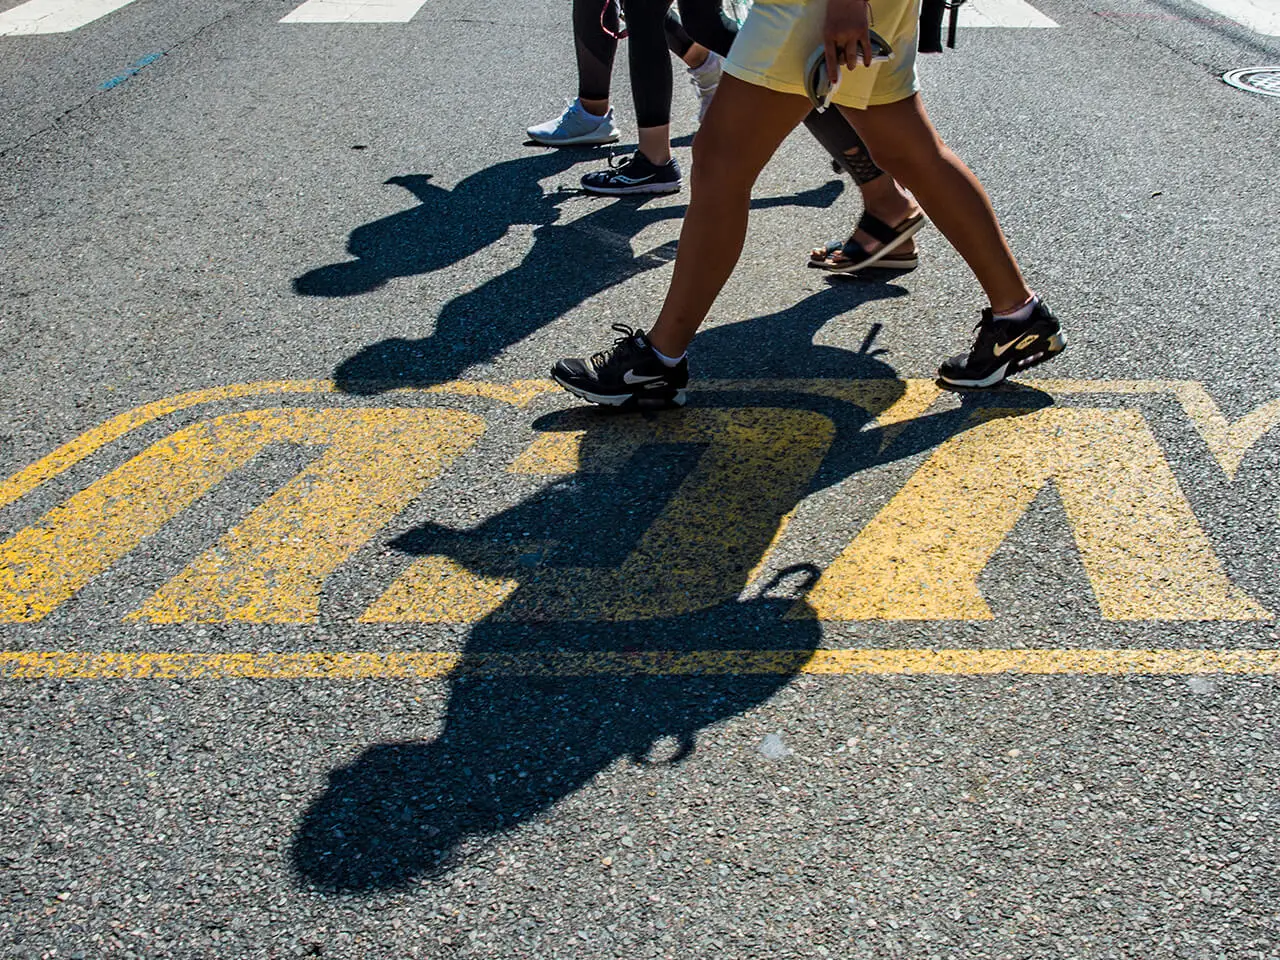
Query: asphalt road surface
[[330, 627]]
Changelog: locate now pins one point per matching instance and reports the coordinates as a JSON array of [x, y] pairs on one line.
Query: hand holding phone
[[817, 81]]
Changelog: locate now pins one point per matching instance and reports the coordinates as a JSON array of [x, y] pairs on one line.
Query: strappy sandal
[[855, 257]]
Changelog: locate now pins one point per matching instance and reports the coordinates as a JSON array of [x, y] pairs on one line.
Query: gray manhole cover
[[1264, 80]]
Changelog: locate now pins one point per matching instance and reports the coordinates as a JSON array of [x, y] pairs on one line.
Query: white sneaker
[[575, 127], [705, 79]]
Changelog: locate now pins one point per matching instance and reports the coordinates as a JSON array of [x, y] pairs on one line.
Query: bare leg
[[903, 141], [597, 108], [695, 56], [742, 130], [655, 143], [881, 196]]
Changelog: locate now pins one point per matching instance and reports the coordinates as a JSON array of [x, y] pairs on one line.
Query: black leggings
[[647, 45], [595, 30], [653, 28]]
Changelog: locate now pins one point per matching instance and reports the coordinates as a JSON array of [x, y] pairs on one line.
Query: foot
[[575, 127], [873, 243], [1004, 347], [636, 174], [627, 375], [705, 79], [845, 257]]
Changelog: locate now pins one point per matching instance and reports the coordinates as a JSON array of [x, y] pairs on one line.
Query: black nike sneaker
[[1005, 347], [626, 375], [636, 174]]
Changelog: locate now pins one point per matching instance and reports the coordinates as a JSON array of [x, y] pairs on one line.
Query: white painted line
[[54, 16], [1003, 13], [1262, 16], [355, 11]]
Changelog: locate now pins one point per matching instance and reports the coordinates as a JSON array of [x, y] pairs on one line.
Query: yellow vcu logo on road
[[757, 450]]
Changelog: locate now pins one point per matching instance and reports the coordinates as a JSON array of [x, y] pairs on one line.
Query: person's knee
[[888, 157], [899, 141], [901, 157]]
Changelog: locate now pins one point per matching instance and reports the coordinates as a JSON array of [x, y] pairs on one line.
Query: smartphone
[[819, 87]]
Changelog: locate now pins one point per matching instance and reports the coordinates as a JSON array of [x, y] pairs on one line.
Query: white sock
[[1021, 313], [667, 361], [709, 65]]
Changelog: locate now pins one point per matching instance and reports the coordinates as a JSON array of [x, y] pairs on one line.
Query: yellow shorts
[[775, 42]]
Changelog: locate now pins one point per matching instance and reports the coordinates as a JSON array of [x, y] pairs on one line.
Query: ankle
[[597, 108], [710, 64], [696, 57], [893, 209], [657, 159], [1018, 311], [666, 347]]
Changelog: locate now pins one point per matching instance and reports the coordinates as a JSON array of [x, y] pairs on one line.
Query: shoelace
[[628, 333], [570, 106], [985, 329]]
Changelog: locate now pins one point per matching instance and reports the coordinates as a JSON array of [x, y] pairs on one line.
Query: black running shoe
[[1005, 347], [626, 375], [636, 174]]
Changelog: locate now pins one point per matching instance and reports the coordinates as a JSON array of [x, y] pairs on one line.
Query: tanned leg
[[742, 130], [903, 142]]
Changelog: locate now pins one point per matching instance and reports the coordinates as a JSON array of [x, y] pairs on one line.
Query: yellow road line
[[68, 665]]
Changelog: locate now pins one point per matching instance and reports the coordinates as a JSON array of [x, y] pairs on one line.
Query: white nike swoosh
[[1023, 341], [631, 379]]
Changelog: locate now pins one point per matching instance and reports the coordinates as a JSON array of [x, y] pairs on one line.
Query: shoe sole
[[879, 255], [624, 399], [651, 188], [587, 140], [1057, 343], [888, 263]]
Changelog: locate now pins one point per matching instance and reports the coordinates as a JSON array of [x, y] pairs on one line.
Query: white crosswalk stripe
[[54, 16], [1003, 13], [63, 16], [354, 11], [1261, 16]]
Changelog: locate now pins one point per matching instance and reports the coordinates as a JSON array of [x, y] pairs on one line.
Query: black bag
[[931, 14]]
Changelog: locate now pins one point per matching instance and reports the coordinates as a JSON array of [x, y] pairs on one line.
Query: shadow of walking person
[[446, 226], [567, 264], [690, 501], [617, 613], [734, 349]]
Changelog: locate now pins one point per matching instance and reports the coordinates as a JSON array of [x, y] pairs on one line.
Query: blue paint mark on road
[[133, 71]]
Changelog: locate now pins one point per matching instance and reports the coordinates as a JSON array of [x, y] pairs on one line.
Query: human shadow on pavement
[[780, 344], [641, 548], [567, 264], [447, 225]]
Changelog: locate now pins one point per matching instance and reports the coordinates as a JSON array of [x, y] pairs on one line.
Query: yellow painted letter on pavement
[[48, 562], [272, 566], [1143, 549], [697, 553]]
